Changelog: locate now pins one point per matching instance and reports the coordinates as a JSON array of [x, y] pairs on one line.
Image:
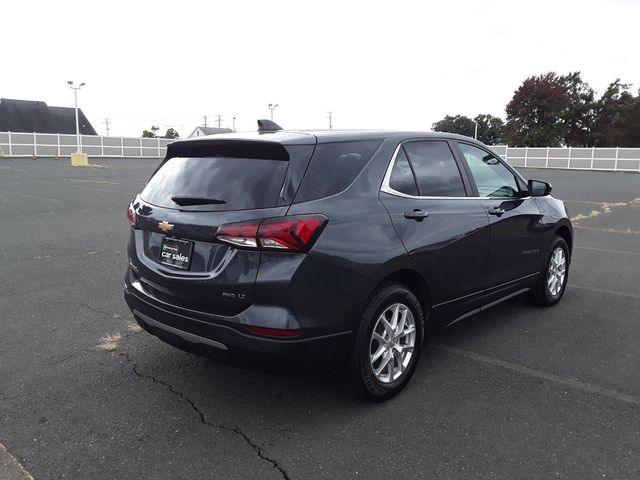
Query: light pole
[[475, 134], [234, 124], [272, 107], [75, 95]]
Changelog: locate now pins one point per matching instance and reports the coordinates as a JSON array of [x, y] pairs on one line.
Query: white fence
[[15, 144], [49, 145], [573, 158]]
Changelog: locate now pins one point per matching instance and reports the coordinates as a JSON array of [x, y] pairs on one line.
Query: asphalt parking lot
[[515, 392]]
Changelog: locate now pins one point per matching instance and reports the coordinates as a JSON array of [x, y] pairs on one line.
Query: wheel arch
[[414, 281], [564, 232]]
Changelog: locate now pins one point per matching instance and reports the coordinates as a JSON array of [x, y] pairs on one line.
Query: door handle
[[416, 214], [495, 211]]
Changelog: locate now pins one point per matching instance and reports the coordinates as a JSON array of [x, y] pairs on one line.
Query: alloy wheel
[[392, 343], [557, 271]]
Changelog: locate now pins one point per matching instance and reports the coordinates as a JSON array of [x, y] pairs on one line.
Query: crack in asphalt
[[254, 446], [60, 358], [110, 314]]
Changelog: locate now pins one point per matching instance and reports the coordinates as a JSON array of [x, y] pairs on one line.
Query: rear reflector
[[292, 234], [131, 214], [274, 332]]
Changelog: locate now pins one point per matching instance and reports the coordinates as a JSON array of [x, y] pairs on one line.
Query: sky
[[393, 64]]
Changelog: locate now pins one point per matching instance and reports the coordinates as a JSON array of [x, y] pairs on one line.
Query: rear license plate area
[[176, 253]]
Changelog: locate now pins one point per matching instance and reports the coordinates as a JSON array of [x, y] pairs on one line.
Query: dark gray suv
[[290, 243]]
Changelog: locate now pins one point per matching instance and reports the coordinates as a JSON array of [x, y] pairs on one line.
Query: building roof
[[212, 130], [34, 116]]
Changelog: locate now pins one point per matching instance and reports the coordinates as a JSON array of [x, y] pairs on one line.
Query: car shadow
[[248, 389]]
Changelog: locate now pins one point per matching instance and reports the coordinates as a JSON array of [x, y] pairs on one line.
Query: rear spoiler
[[225, 147]]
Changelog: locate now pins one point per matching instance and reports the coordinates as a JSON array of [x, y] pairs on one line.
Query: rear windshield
[[216, 183], [333, 167]]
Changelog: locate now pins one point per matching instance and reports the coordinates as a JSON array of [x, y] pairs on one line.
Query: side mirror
[[538, 188]]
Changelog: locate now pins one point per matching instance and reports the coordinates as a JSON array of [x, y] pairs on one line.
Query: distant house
[[202, 131], [33, 116]]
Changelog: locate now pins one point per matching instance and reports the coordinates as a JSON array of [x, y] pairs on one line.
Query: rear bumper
[[219, 336]]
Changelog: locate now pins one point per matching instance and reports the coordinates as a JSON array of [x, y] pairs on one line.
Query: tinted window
[[402, 179], [492, 178], [299, 156], [435, 168], [333, 167], [241, 183]]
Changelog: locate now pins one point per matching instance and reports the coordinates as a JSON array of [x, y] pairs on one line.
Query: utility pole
[[330, 116], [219, 120], [475, 134], [205, 121], [272, 107], [234, 124], [106, 122]]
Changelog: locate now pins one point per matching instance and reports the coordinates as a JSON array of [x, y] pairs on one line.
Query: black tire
[[361, 376], [540, 294]]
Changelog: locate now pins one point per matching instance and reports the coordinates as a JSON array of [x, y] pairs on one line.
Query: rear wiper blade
[[183, 201]]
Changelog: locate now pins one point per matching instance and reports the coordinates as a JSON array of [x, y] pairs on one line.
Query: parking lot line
[[531, 372], [83, 187], [604, 290], [608, 230], [37, 197], [586, 202], [609, 250], [10, 467]]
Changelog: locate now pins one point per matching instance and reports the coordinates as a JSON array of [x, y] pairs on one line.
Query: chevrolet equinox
[[279, 243]]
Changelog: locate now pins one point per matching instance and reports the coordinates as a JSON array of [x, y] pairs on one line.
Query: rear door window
[[402, 179], [216, 183], [333, 167], [435, 169]]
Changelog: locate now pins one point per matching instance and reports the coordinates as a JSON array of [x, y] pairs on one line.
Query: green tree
[[459, 124], [580, 114], [632, 124], [151, 134], [490, 129], [616, 114], [536, 113], [553, 110], [171, 133]]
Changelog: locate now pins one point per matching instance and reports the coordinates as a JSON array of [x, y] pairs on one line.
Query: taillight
[[296, 234], [291, 234], [131, 214], [274, 332], [241, 234]]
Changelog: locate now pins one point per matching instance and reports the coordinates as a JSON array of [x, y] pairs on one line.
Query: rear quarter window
[[333, 167]]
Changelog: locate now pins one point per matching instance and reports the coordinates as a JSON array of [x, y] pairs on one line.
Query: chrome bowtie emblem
[[165, 226]]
